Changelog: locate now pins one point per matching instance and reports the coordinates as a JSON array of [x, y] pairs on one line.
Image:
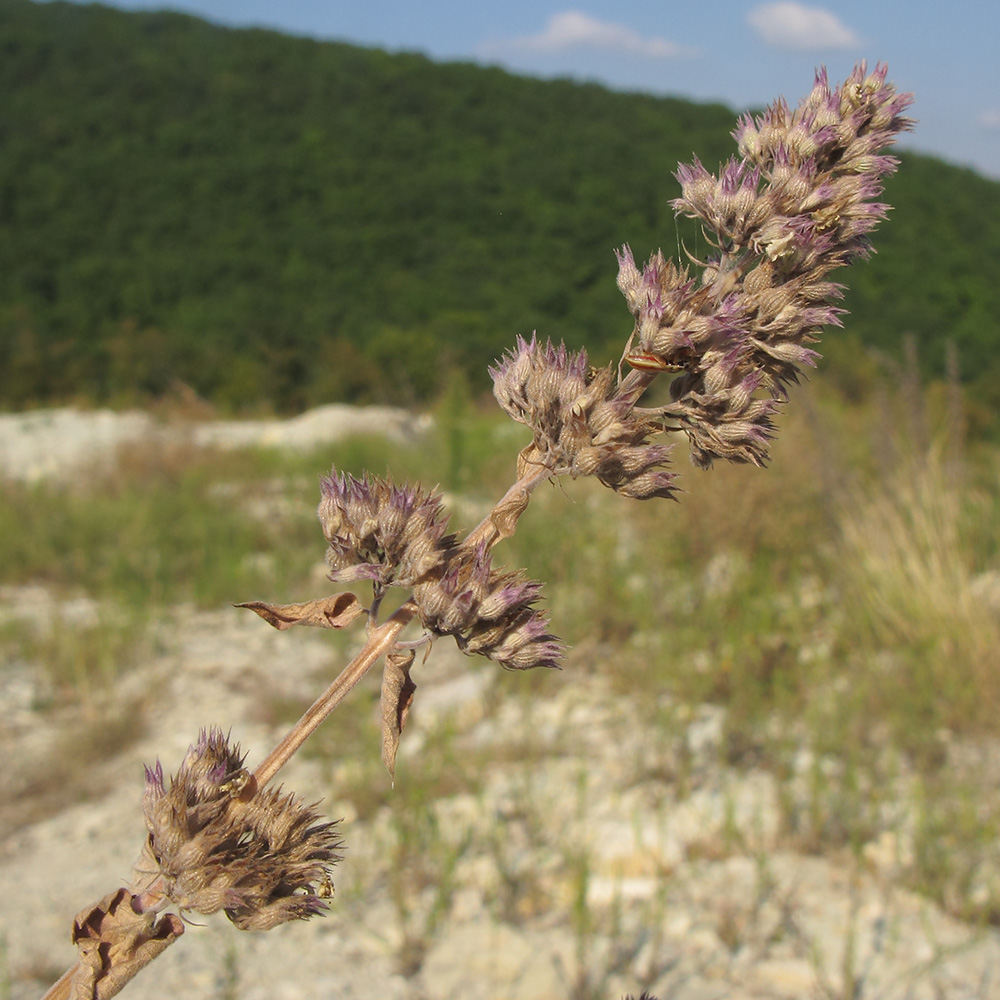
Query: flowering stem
[[798, 203], [380, 641]]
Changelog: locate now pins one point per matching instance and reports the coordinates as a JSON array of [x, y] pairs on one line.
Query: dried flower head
[[800, 203], [264, 861], [582, 426], [490, 612], [381, 532]]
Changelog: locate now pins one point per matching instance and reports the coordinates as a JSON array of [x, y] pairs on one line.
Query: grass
[[78, 660], [832, 605], [181, 526]]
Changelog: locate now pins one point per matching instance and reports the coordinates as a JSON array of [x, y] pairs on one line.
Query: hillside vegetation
[[272, 221]]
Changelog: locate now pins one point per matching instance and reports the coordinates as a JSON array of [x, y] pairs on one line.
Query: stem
[[634, 385], [380, 641], [60, 989], [515, 497]]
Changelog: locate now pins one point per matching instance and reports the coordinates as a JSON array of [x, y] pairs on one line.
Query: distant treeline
[[269, 220]]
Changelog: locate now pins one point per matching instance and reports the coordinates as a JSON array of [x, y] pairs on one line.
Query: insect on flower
[[645, 362]]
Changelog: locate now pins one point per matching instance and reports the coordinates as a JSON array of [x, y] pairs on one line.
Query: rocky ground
[[56, 443], [562, 844]]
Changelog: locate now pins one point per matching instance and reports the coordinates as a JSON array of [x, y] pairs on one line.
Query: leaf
[[506, 513], [397, 696], [328, 612], [528, 457], [115, 942]]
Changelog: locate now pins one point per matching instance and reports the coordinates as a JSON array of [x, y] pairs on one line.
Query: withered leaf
[[506, 513], [115, 942], [528, 457], [327, 612], [397, 696]]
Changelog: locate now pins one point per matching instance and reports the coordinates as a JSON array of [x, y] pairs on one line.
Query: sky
[[740, 52]]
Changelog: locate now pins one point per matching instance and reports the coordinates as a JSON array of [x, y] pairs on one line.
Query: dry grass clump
[[913, 559]]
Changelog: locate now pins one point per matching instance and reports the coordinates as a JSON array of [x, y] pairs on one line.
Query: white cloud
[[790, 25], [572, 29], [990, 118]]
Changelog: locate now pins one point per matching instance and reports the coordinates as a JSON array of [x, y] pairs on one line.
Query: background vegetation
[[272, 221]]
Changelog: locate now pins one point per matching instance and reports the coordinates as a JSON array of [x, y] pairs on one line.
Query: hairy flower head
[[264, 861], [799, 202], [581, 425], [381, 532], [490, 612]]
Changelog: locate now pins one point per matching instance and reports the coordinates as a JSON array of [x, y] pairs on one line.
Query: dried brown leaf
[[397, 696], [528, 458], [506, 513], [328, 612], [115, 942]]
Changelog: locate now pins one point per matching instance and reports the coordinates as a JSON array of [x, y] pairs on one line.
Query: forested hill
[[268, 219]]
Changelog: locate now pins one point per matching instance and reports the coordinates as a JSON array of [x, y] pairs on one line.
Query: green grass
[[182, 525], [78, 660]]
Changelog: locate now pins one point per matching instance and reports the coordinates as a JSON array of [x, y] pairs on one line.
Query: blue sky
[[740, 52]]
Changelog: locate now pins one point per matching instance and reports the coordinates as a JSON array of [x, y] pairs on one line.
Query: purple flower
[[800, 202], [581, 424], [490, 612], [381, 532]]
